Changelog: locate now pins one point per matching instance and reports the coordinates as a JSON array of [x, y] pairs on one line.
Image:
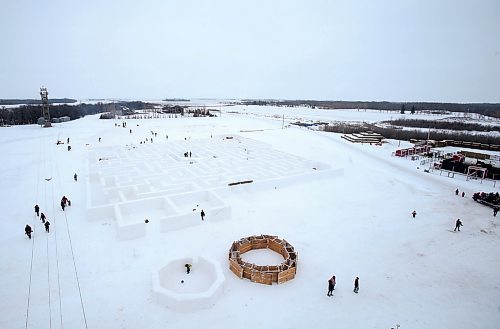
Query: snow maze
[[155, 184]]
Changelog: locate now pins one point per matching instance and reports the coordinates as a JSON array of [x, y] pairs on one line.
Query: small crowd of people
[[490, 199], [333, 281], [28, 230], [457, 192], [458, 222]]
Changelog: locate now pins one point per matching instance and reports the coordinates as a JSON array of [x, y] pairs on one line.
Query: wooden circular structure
[[263, 274]]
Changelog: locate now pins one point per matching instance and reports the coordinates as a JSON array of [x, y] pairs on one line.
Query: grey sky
[[400, 50]]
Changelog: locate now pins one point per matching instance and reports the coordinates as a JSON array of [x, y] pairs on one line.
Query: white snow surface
[[414, 272]]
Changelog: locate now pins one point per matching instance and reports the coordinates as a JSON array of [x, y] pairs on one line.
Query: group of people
[[65, 202], [28, 230], [458, 222], [457, 192], [333, 281]]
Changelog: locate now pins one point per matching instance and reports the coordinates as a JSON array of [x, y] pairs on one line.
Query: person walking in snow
[[458, 223], [28, 230], [356, 285], [414, 213], [463, 194], [331, 286], [202, 214], [456, 192], [47, 224], [42, 218], [75, 177], [99, 139], [37, 210], [188, 268]]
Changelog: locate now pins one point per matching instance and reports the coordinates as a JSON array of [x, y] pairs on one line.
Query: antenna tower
[[44, 94]]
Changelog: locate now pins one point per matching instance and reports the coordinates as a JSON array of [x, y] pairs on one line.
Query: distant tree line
[[29, 114], [487, 109], [399, 134], [201, 113], [176, 100], [137, 105], [450, 125], [35, 101]]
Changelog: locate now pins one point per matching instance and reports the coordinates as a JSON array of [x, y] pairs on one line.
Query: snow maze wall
[[156, 182]]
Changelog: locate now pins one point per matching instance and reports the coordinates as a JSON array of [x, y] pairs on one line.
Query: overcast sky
[[400, 50]]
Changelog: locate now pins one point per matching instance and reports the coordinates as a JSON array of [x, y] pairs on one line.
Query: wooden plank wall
[[266, 274]]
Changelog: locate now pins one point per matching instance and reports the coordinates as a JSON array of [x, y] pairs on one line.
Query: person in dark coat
[[28, 230], [458, 223], [331, 286], [42, 217], [356, 285], [463, 194], [47, 224], [75, 177], [188, 268], [202, 214], [37, 210], [414, 213], [456, 192]]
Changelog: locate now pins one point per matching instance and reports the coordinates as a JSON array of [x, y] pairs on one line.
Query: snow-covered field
[[351, 216]]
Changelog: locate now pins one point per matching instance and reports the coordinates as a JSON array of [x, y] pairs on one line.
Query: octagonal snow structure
[[180, 291]]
